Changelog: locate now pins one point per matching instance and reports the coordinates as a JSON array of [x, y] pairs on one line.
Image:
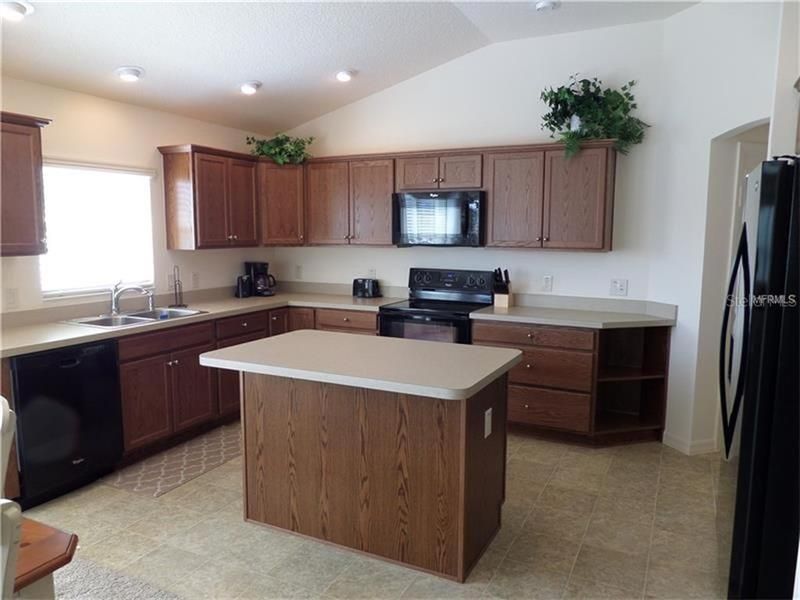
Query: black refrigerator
[[758, 487]]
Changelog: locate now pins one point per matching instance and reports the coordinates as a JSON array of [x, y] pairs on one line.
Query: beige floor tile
[[563, 498], [626, 507], [617, 534], [313, 565], [527, 471], [680, 480], [567, 525], [597, 463], [685, 522], [686, 500], [259, 586], [166, 567], [118, 550], [370, 578], [678, 460], [671, 582], [532, 547], [579, 589], [543, 452], [200, 497], [164, 523], [519, 580], [89, 529], [515, 512], [612, 568], [578, 478], [691, 551], [520, 491], [504, 538]]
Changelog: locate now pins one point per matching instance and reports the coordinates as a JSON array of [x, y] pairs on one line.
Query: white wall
[[786, 100], [703, 72], [90, 129]]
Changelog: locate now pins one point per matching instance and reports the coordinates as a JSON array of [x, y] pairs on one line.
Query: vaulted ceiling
[[197, 54]]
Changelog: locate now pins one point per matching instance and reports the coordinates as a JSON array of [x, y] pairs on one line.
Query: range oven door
[[455, 329]]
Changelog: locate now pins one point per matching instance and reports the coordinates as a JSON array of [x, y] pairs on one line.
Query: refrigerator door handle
[[742, 261]]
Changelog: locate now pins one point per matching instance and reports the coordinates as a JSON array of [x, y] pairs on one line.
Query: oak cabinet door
[[210, 175], [418, 173], [145, 388], [22, 200], [280, 192], [301, 318], [328, 201], [278, 321], [515, 184], [193, 388], [460, 172], [228, 381], [371, 187], [575, 199], [242, 202]]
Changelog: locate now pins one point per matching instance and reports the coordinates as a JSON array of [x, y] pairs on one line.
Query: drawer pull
[[274, 318], [530, 335], [244, 324], [346, 319], [528, 366], [527, 406]]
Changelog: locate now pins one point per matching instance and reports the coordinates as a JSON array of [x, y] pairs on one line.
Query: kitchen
[[592, 377]]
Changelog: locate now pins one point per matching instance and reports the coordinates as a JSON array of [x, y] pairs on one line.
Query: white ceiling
[[197, 54]]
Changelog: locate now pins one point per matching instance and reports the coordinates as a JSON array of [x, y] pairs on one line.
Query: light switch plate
[[487, 423], [547, 283]]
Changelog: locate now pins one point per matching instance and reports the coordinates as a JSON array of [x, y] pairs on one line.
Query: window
[[99, 230]]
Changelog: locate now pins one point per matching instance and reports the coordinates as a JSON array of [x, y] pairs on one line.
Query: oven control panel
[[450, 279]]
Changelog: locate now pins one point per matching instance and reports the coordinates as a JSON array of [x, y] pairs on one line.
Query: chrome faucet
[[120, 289]]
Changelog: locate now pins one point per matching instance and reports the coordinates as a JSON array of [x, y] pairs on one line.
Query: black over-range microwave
[[452, 218]]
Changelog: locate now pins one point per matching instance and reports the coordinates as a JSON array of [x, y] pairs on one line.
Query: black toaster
[[366, 288]]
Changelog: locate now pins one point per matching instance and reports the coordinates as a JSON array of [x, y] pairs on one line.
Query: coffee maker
[[260, 280]]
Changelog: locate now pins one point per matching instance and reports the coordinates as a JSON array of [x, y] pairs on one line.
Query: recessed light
[[250, 87], [344, 76], [15, 11], [546, 5], [130, 74]]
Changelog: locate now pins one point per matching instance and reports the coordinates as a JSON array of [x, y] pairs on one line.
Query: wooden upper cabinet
[[460, 171], [22, 229], [418, 173], [210, 198], [281, 204], [515, 185], [210, 192], [328, 202], [371, 187], [578, 199], [242, 202], [448, 171]]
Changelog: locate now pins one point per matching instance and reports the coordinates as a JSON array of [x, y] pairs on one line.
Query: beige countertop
[[47, 336], [420, 368], [569, 317]]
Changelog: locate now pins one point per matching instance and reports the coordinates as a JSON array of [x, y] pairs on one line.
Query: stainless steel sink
[[112, 321], [160, 314], [136, 318]]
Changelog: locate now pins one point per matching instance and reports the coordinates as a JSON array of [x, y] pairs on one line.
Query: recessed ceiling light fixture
[[15, 11], [344, 76], [250, 87], [130, 74], [547, 5]]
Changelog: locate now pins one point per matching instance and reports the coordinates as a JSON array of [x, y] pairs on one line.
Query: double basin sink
[[137, 318]]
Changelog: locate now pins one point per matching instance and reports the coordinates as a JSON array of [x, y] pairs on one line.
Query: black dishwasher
[[69, 418]]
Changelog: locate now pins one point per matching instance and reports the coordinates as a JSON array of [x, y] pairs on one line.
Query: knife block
[[504, 300]]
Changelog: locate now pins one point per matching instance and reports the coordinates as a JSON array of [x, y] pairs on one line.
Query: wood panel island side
[[391, 447]]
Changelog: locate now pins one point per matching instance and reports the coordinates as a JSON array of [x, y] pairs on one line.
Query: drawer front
[[346, 320], [301, 318], [242, 324], [554, 368], [549, 408], [148, 344], [532, 335]]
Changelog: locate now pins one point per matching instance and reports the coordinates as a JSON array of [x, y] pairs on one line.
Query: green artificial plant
[[283, 149], [584, 110]]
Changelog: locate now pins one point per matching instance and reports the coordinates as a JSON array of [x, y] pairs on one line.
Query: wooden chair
[[10, 513]]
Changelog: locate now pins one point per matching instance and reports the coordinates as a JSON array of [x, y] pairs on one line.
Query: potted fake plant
[[282, 149], [584, 110]]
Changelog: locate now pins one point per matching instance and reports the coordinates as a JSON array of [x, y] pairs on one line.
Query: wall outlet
[[372, 273], [487, 423], [195, 280], [619, 287], [298, 272], [10, 298], [547, 283]]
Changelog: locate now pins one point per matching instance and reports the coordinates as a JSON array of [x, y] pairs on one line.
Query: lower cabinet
[[228, 381], [278, 321], [146, 390], [558, 409], [347, 321], [193, 389], [301, 318]]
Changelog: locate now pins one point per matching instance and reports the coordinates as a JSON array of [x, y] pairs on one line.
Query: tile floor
[[628, 522]]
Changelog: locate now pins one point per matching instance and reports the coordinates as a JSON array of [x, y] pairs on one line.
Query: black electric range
[[438, 306]]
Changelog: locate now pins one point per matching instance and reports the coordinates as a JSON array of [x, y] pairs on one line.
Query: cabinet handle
[[347, 237], [301, 237], [539, 239], [527, 406], [528, 366], [236, 237], [530, 335], [169, 363], [435, 180], [546, 239], [274, 318], [346, 319], [176, 361], [43, 241], [244, 324], [440, 180]]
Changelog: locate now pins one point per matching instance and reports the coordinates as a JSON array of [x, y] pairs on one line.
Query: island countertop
[[421, 368]]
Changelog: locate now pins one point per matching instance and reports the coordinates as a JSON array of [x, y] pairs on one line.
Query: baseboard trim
[[690, 448]]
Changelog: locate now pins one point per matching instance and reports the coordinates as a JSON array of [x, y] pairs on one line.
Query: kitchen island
[[392, 447]]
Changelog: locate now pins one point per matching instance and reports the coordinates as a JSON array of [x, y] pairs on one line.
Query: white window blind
[[99, 230]]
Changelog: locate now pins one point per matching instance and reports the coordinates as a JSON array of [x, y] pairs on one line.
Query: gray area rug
[[87, 580]]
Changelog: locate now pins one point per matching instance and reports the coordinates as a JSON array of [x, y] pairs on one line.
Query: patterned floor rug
[[163, 472]]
